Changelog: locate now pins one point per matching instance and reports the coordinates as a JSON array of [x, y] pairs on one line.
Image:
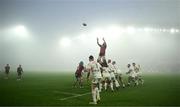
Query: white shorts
[[97, 75], [106, 76], [96, 80], [112, 75]]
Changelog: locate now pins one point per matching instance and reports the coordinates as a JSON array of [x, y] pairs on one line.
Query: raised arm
[[98, 42], [104, 42]]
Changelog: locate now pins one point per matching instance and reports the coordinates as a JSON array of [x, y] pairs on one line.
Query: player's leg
[[105, 83], [99, 58], [116, 83], [116, 76], [111, 84], [100, 84], [129, 80], [135, 80], [19, 76], [121, 81], [114, 80], [6, 74], [141, 80], [97, 90], [80, 81], [105, 80], [76, 81], [95, 93]]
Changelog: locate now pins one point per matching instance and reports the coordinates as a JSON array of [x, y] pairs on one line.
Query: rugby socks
[[105, 86], [116, 83], [111, 84]]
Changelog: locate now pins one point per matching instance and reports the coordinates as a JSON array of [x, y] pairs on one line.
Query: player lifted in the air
[[102, 49], [95, 77], [78, 74], [7, 69], [118, 74]]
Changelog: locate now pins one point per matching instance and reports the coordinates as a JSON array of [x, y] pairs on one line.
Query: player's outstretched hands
[[103, 39]]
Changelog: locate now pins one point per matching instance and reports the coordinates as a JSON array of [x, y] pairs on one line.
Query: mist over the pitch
[[47, 23]]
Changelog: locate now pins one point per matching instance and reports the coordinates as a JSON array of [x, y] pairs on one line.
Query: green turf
[[42, 89]]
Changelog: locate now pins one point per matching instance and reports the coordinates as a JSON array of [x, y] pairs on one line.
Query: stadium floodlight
[[164, 30], [161, 30], [140, 29], [177, 30], [172, 30], [147, 29], [65, 42], [20, 31], [114, 31], [131, 30]]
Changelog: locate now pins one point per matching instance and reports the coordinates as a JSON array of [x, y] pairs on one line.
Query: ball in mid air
[[84, 24]]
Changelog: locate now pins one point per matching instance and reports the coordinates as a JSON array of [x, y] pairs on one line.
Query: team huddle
[[105, 74]]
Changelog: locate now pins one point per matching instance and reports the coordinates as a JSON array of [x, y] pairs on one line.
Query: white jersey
[[111, 70], [119, 71], [106, 72], [94, 67], [139, 72], [116, 70], [136, 70], [132, 73]]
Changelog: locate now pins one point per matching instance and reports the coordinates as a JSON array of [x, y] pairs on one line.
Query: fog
[[48, 35]]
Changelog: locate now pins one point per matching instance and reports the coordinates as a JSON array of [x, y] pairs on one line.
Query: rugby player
[[132, 75], [112, 76], [102, 49], [118, 74], [19, 72], [78, 74], [7, 70], [95, 77]]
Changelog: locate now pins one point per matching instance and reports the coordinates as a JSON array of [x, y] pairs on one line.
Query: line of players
[[103, 74], [7, 71]]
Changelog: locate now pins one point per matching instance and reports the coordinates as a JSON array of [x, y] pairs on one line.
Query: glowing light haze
[[48, 35]]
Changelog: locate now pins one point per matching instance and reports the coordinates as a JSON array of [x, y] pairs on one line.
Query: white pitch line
[[66, 93], [75, 96]]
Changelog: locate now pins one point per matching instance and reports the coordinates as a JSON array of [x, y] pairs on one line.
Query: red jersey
[[102, 50], [79, 70]]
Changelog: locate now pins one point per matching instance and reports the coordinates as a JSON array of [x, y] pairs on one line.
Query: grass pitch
[[55, 89]]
